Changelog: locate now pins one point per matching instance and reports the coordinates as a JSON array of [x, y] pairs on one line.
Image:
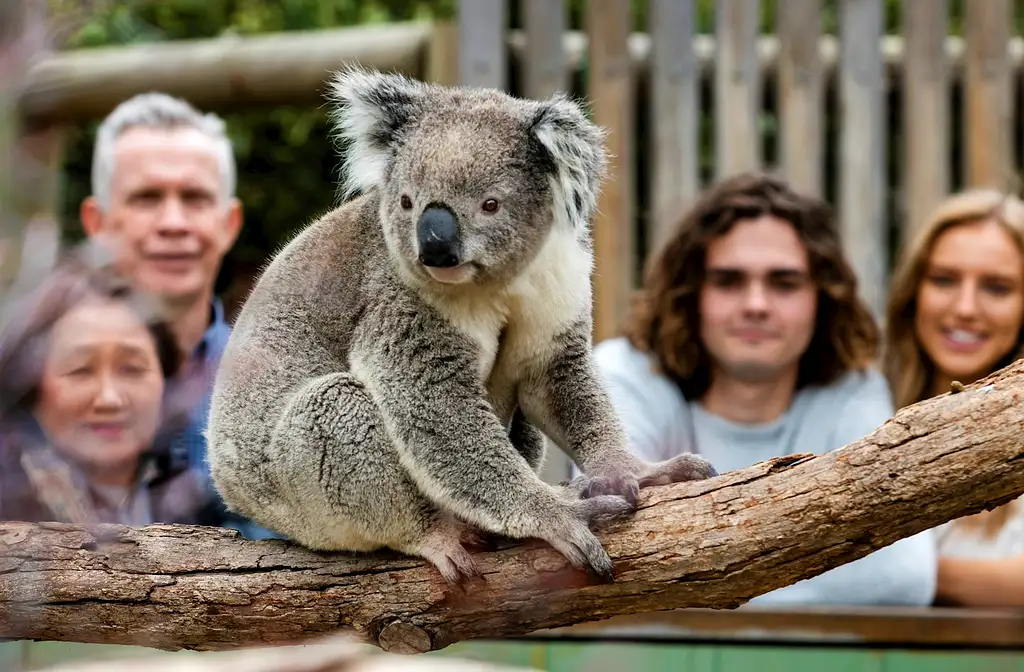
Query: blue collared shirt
[[189, 445]]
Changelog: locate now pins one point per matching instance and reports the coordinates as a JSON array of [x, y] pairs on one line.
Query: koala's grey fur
[[362, 404]]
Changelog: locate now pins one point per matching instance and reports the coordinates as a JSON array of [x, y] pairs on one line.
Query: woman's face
[[101, 389], [970, 303]]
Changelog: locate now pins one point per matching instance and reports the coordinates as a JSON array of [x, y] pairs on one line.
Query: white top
[[660, 423], [973, 542]]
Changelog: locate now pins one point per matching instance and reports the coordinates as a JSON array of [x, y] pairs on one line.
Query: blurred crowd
[[747, 340]]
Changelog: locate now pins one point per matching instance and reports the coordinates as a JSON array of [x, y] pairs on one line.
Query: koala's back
[[295, 325]]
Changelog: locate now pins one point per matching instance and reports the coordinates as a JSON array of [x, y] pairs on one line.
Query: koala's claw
[[575, 541], [443, 548], [452, 560], [601, 509], [617, 478], [624, 485], [583, 550]]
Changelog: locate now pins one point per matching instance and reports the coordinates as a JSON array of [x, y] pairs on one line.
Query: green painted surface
[[940, 661], [11, 655], [683, 657], [573, 656]]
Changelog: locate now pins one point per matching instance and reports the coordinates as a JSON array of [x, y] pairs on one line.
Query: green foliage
[[286, 162]]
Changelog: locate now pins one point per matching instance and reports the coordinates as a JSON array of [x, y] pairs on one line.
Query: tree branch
[[714, 543]]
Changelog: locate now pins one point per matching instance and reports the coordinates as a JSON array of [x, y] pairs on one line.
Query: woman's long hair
[[664, 320], [906, 366]]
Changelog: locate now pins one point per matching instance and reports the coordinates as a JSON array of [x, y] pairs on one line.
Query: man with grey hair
[[163, 200]]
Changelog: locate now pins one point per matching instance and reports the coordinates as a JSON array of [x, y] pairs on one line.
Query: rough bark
[[223, 73], [714, 543]]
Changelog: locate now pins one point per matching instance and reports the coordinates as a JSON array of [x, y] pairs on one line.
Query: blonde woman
[[956, 312]]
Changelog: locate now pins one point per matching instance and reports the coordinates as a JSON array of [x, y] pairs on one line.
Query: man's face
[[167, 222], [758, 302]]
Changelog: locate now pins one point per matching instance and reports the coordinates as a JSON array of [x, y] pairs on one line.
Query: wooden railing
[[875, 627]]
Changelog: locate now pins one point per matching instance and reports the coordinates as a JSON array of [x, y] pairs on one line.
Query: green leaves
[[287, 164]]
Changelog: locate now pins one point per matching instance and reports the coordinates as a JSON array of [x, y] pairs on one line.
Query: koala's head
[[472, 182]]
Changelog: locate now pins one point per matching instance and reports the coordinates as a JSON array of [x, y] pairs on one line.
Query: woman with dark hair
[[85, 364]]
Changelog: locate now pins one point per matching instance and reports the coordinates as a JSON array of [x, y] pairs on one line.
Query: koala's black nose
[[438, 238]]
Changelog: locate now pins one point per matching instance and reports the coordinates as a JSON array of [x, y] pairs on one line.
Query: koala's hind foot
[[442, 546]]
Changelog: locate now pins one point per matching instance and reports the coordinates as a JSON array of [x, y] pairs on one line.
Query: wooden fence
[[875, 122], [881, 124]]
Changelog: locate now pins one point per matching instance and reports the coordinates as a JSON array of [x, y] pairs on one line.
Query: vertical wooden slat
[[988, 94], [483, 52], [544, 71], [13, 60], [610, 89], [862, 148], [29, 164], [544, 74], [801, 94], [737, 87], [442, 58], [926, 113], [39, 180], [675, 114]]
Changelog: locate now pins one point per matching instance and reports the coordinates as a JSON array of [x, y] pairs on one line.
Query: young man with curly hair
[[748, 341]]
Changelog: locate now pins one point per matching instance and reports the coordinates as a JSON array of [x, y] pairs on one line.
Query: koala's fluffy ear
[[370, 110], [576, 146]]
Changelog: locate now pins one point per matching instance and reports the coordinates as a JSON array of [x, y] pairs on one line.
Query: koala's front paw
[[622, 483], [568, 531], [627, 476], [685, 467], [619, 477]]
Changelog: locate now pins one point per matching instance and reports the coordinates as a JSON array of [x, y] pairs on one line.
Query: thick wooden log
[[289, 68], [229, 72], [714, 543]]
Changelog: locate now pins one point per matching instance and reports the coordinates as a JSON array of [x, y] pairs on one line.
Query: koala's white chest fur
[[524, 320]]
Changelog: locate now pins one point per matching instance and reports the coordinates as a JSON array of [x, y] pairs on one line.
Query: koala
[[394, 376]]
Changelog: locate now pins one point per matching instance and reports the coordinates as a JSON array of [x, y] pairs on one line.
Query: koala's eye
[[490, 205], [406, 202]]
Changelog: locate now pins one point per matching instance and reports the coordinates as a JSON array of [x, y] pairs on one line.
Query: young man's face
[[758, 302], [167, 222]]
